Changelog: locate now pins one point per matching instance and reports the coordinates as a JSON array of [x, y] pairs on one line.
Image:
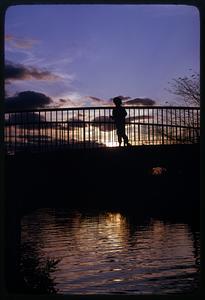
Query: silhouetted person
[[119, 113]]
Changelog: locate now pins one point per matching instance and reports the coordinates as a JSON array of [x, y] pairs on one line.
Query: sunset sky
[[87, 54]]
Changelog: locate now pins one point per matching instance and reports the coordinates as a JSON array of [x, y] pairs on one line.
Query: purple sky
[[75, 51]]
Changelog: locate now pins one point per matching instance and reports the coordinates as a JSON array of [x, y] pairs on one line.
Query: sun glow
[[111, 144]]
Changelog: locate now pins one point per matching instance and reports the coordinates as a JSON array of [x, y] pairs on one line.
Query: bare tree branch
[[188, 88]]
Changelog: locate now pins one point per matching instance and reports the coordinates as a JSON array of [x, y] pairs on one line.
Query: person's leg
[[124, 136], [119, 140], [119, 135], [125, 139]]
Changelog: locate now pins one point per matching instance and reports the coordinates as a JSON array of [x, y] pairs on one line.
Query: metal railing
[[92, 127]]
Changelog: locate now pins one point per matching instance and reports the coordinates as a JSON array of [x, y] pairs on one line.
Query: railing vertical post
[[192, 124], [180, 123], [134, 128], [28, 128], [45, 131], [162, 119], [8, 144], [84, 129], [153, 139], [61, 130], [32, 130], [167, 128], [189, 125], [198, 132], [51, 126], [10, 133], [15, 134], [56, 130], [128, 131], [157, 125], [22, 127], [99, 138], [94, 128], [89, 126], [73, 140], [176, 126], [78, 128], [104, 126], [67, 128], [148, 126]]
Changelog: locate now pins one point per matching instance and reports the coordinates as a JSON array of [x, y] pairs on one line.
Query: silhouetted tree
[[188, 88]]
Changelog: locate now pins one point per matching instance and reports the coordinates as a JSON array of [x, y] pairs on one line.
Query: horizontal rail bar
[[103, 107], [102, 122]]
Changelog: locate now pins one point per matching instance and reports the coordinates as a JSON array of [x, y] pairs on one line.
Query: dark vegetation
[[35, 273]]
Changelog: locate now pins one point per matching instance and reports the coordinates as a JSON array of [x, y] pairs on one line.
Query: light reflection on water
[[107, 252]]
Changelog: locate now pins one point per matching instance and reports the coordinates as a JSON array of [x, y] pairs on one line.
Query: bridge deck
[[116, 177]]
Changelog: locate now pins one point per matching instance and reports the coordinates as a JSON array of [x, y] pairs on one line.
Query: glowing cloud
[[21, 43]]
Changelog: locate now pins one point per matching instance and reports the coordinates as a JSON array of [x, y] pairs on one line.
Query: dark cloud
[[140, 101], [63, 101], [76, 123], [27, 120], [27, 100], [32, 120], [137, 118], [96, 99], [20, 72], [104, 123]]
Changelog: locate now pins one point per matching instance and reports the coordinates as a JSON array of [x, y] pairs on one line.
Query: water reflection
[[107, 252]]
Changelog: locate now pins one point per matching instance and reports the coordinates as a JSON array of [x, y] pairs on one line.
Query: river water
[[111, 252]]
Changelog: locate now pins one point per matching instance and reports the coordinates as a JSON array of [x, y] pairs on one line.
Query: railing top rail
[[102, 107]]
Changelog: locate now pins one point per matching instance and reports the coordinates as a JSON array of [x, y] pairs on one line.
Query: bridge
[[93, 127]]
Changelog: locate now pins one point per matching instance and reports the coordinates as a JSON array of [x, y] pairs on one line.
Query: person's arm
[[113, 114], [125, 113]]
